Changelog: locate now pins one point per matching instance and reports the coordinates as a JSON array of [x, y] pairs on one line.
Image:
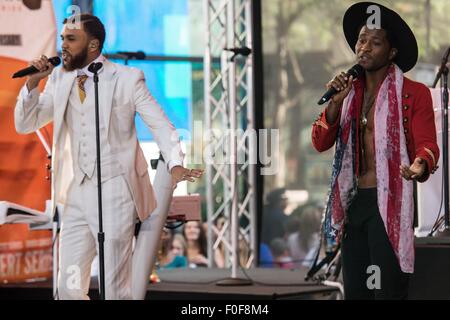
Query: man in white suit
[[68, 101]]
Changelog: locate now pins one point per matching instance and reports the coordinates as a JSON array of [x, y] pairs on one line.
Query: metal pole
[[233, 144], [234, 189], [443, 75], [208, 174], [55, 226], [101, 235], [252, 140]]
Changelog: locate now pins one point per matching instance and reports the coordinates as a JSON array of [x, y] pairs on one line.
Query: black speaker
[[431, 278]]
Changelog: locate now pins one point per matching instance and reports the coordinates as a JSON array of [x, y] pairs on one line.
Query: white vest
[[80, 121]]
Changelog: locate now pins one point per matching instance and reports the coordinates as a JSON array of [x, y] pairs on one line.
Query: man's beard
[[76, 62]]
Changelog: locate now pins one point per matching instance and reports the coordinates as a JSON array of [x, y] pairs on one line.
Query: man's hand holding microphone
[[38, 70], [338, 89]]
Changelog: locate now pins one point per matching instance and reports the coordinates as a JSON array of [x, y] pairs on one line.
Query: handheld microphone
[[32, 69], [245, 51], [354, 71]]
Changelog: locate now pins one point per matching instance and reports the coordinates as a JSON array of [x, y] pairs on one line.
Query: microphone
[[245, 51], [32, 69], [94, 67], [354, 71], [441, 68], [139, 55]]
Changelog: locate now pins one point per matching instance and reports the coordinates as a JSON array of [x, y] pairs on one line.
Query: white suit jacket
[[122, 93]]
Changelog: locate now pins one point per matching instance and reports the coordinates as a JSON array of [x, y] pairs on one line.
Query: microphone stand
[[443, 76], [94, 68], [140, 55]]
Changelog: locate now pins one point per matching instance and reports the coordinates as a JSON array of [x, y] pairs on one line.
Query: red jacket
[[418, 123]]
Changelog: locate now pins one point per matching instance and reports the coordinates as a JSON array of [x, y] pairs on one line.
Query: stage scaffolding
[[231, 141]]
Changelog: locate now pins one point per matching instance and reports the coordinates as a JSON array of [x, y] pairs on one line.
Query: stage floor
[[201, 284], [267, 283]]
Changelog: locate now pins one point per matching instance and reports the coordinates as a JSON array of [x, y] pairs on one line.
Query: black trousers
[[365, 244]]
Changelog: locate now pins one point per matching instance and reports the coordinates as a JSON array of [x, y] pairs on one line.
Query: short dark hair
[[92, 25]]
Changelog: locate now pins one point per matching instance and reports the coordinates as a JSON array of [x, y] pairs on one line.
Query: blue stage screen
[[157, 28]]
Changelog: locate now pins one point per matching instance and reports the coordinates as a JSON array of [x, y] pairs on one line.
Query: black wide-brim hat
[[356, 16]]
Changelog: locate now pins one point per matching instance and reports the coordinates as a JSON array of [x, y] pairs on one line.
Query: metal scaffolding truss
[[231, 140]]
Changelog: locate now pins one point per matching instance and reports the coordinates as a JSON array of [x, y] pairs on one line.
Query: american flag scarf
[[395, 194]]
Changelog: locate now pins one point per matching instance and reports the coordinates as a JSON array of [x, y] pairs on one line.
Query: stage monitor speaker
[[431, 277]]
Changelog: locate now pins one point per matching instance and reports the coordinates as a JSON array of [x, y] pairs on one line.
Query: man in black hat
[[383, 126]]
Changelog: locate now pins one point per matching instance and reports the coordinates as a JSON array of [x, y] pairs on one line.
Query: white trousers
[[78, 239]]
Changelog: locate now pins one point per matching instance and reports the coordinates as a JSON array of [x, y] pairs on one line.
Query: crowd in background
[[286, 241]]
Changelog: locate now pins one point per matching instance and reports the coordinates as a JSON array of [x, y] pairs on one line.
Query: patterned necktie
[[81, 91]]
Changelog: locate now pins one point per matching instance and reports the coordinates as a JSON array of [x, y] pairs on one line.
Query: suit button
[[406, 130], [405, 120], [405, 107], [406, 96]]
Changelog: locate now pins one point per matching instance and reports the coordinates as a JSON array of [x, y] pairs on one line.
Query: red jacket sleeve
[[424, 131], [324, 133]]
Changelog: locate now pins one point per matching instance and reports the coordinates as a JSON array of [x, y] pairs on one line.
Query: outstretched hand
[[180, 173], [415, 171]]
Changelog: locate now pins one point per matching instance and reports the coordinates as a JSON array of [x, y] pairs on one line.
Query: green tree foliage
[[304, 47]]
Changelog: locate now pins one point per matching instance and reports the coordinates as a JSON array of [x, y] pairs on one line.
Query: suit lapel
[[62, 99], [106, 84]]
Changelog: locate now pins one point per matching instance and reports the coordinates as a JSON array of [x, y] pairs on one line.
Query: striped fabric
[[395, 194]]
